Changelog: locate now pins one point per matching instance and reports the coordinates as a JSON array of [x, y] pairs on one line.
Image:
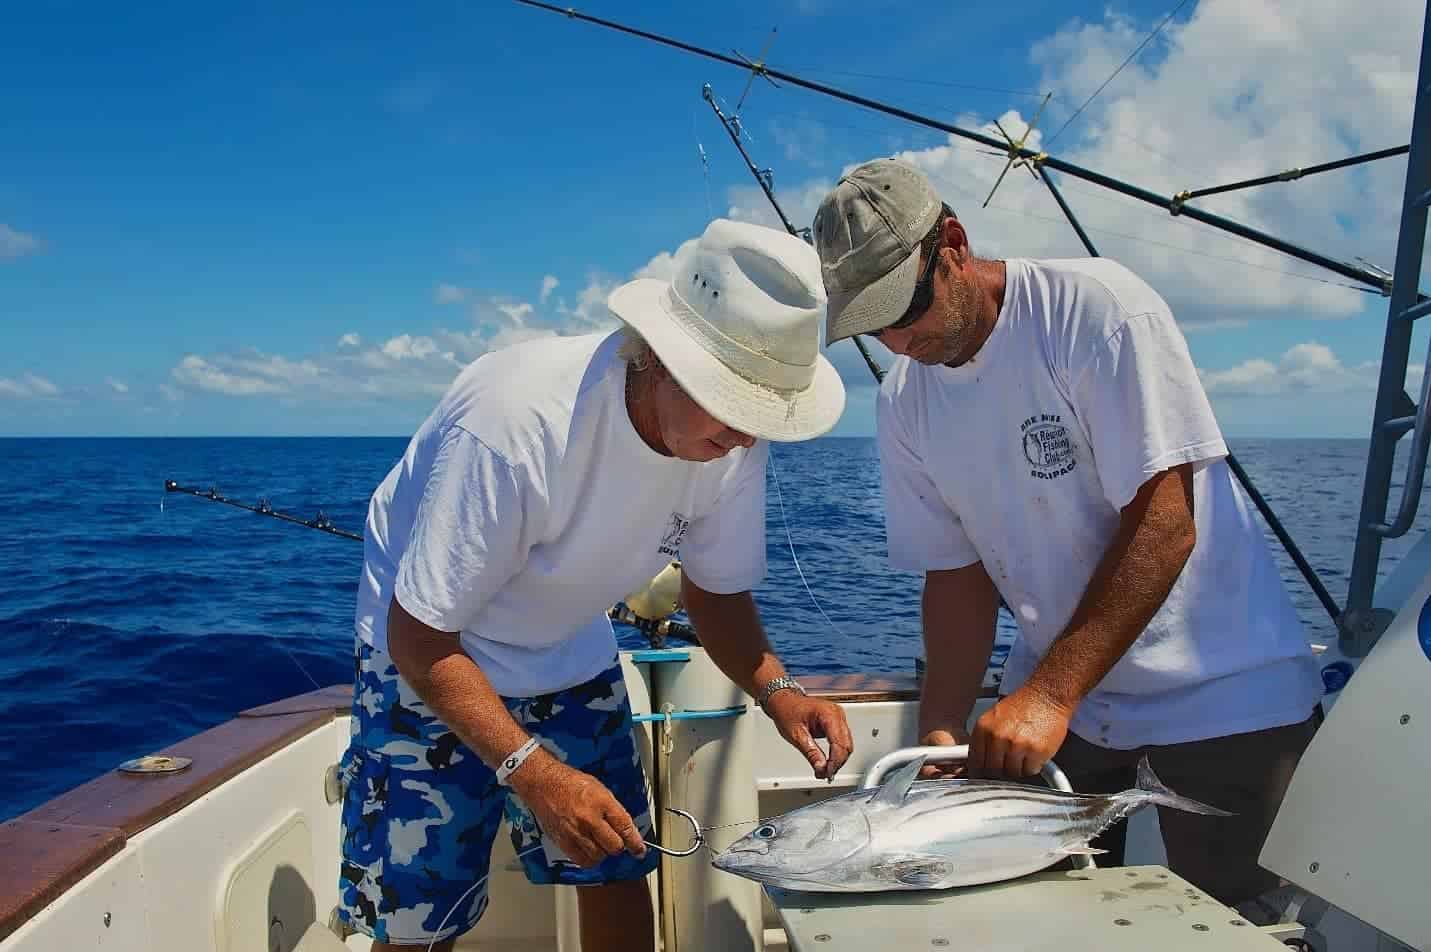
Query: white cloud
[[1307, 368], [197, 373], [663, 265], [118, 386], [450, 294], [27, 387], [15, 244], [407, 347], [748, 203], [1239, 89], [803, 140], [517, 313], [172, 394], [412, 365]]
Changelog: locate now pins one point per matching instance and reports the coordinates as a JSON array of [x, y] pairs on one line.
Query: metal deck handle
[[1416, 465], [958, 753]]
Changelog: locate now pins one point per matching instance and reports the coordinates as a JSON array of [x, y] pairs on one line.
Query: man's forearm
[[1155, 537], [732, 636], [959, 617], [454, 687]]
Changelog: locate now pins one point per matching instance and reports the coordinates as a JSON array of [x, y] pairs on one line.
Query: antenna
[[1016, 151], [757, 68]]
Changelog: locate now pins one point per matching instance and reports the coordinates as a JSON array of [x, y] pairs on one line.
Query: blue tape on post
[[691, 715], [657, 656]]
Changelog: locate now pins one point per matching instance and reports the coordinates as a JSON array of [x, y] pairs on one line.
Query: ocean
[[131, 617]]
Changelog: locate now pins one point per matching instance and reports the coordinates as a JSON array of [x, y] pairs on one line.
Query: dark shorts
[[1247, 774], [421, 811]]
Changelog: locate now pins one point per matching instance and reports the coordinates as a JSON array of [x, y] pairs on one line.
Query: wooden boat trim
[[862, 688], [335, 697], [47, 850]]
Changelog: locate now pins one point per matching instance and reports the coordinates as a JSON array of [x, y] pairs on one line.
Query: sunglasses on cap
[[923, 291]]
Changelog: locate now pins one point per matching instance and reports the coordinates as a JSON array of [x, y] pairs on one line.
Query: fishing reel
[[648, 609]]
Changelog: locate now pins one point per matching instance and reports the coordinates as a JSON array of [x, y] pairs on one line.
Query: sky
[[304, 219]]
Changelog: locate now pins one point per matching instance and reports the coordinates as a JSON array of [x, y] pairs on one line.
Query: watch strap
[[782, 683]]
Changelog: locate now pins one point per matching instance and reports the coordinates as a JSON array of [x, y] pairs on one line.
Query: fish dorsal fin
[[892, 791]]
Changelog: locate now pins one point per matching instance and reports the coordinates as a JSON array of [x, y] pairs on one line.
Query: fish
[[909, 834]]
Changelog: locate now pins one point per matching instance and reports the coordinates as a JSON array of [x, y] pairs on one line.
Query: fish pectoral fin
[[1080, 851], [914, 870]]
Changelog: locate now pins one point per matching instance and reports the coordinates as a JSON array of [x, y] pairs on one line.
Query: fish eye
[[765, 832]]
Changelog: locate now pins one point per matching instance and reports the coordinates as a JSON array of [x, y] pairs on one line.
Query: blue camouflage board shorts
[[421, 810]]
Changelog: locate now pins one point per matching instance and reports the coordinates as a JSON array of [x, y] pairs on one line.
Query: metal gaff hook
[[698, 836]]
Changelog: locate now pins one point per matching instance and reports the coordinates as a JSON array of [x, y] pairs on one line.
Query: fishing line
[[443, 924], [294, 658], [780, 497], [698, 836], [1156, 30]]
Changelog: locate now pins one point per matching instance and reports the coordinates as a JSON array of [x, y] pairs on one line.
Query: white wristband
[[515, 760]]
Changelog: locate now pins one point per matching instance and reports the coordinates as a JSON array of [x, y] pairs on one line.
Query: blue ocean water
[[131, 618]]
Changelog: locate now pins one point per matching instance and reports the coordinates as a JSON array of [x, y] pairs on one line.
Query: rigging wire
[[780, 498], [1152, 241], [945, 139], [1079, 111]]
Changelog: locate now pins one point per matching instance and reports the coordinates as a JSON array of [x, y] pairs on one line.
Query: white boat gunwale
[[52, 847]]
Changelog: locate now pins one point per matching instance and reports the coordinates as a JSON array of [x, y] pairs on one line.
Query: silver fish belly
[[934, 834]]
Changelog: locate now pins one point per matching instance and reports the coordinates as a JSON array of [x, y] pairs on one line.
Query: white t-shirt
[[1023, 458], [526, 505]]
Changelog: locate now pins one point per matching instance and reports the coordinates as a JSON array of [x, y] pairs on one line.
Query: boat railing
[[1394, 414]]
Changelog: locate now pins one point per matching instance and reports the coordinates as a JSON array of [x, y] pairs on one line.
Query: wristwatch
[[776, 684]]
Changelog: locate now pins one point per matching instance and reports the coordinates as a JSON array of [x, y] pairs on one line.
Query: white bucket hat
[[738, 327]]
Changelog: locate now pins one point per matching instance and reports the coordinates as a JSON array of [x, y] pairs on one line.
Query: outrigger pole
[[655, 630], [319, 522], [764, 179], [1173, 204], [1040, 163]]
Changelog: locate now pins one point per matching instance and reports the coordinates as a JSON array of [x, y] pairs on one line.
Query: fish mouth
[[743, 859]]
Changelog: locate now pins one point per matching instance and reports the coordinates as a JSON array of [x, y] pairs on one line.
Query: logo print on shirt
[[1047, 446], [675, 532]]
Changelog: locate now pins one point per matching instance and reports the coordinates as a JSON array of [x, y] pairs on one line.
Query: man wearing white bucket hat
[[553, 478]]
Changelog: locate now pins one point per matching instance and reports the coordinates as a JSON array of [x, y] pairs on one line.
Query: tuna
[[935, 834]]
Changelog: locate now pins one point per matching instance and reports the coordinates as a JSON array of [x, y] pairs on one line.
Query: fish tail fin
[[1154, 791]]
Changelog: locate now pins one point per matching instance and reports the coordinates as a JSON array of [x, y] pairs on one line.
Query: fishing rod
[[656, 630], [764, 179], [320, 522], [1173, 204]]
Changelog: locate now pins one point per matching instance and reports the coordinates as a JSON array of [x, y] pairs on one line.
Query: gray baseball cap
[[867, 232]]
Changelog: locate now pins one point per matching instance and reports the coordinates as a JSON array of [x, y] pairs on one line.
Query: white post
[[708, 771]]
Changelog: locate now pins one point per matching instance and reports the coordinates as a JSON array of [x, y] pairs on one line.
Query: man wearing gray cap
[[1044, 438]]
